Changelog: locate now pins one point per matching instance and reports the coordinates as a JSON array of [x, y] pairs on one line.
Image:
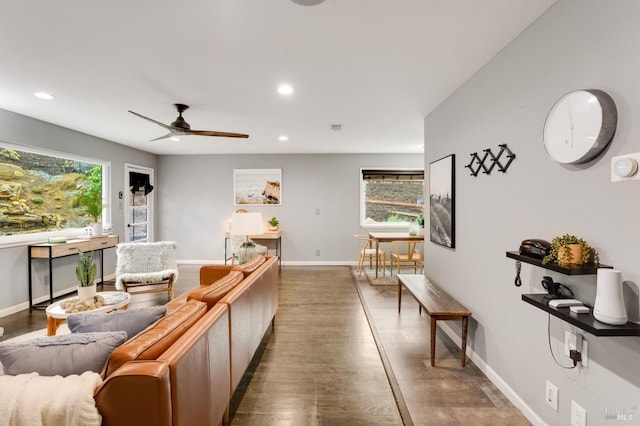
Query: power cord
[[518, 281], [551, 350]]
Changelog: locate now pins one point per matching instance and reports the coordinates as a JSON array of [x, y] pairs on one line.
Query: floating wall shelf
[[588, 269], [586, 322]]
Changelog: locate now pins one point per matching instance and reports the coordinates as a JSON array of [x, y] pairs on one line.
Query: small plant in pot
[[273, 224], [570, 250], [420, 221], [86, 273]]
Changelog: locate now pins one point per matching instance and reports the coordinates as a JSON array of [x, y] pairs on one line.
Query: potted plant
[[86, 272], [89, 198], [273, 224], [569, 249], [420, 221]]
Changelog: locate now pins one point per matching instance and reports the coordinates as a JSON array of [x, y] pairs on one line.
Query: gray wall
[[577, 44], [21, 130], [195, 202]]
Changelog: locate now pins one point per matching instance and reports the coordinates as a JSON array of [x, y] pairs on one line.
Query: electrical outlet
[[578, 415], [569, 342], [573, 341], [317, 252], [551, 395]]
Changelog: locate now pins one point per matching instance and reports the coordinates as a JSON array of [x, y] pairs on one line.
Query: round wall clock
[[580, 126]]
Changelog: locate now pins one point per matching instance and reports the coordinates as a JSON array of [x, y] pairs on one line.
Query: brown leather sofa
[[184, 369]]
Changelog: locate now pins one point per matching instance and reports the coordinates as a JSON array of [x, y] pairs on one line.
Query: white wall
[[21, 130], [576, 44], [195, 202]]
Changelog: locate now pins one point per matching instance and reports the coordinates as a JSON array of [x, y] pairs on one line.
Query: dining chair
[[367, 251], [412, 256]]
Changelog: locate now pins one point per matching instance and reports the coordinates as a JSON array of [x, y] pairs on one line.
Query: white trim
[[7, 241], [494, 377], [290, 263], [129, 167], [25, 305], [363, 195]]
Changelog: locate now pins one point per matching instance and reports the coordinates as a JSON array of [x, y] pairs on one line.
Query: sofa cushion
[[250, 266], [132, 321], [210, 294], [153, 341], [60, 355]]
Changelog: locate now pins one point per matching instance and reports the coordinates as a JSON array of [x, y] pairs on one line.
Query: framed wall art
[[442, 205], [262, 187]]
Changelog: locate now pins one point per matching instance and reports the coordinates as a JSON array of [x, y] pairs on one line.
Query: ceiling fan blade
[[152, 120], [168, 135], [214, 133]]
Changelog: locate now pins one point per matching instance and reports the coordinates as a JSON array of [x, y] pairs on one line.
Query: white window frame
[[363, 199], [37, 237]]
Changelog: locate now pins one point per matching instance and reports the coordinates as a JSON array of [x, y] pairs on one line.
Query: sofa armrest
[[138, 393], [212, 273]]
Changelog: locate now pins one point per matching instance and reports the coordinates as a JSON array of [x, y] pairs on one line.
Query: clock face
[[579, 126]]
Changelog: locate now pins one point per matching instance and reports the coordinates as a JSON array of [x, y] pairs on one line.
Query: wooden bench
[[438, 304]]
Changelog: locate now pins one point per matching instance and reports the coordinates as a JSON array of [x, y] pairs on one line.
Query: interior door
[[138, 203]]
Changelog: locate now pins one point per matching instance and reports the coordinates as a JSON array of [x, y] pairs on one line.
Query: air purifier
[[609, 306]]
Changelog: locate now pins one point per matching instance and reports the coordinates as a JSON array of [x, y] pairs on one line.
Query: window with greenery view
[[391, 197], [42, 192]]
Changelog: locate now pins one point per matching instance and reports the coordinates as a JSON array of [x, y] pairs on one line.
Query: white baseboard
[[495, 378], [288, 263], [25, 305]]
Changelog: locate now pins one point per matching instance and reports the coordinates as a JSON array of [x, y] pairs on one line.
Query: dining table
[[389, 237]]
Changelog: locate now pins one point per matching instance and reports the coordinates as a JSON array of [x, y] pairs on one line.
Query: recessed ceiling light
[[285, 89], [43, 95], [307, 2], [283, 138], [175, 138]]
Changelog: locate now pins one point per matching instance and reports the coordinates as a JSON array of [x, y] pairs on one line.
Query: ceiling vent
[[336, 127]]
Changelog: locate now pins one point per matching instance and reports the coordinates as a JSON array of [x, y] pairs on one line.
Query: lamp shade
[[246, 224]]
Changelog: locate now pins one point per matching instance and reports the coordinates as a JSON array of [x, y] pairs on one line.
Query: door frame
[[128, 167]]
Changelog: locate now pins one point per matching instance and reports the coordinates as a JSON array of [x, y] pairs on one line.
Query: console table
[[268, 236], [52, 251]]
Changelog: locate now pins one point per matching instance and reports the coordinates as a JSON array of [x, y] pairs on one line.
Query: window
[[391, 197], [46, 193]]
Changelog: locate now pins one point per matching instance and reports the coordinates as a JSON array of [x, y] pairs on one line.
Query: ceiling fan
[[181, 127]]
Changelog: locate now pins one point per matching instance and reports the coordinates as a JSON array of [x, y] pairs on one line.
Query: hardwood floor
[[321, 365], [324, 364]]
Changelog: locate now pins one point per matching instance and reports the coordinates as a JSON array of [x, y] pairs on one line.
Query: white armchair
[[146, 265]]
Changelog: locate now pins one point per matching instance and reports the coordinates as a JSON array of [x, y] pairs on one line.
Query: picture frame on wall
[[258, 187], [442, 201]]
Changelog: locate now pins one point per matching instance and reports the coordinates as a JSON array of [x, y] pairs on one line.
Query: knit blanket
[[145, 262], [31, 399]]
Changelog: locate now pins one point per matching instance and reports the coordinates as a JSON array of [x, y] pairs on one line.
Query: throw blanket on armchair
[[31, 399]]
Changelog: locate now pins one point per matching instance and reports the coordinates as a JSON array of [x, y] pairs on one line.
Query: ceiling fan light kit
[[181, 127]]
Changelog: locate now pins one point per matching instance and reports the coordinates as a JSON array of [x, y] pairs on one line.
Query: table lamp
[[246, 224]]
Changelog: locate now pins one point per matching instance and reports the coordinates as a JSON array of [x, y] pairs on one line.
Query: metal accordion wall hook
[[476, 164]]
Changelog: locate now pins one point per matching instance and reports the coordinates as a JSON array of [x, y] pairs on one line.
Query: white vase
[[609, 307], [86, 293], [96, 229]]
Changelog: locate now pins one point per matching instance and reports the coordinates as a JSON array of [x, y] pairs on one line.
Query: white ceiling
[[377, 67]]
